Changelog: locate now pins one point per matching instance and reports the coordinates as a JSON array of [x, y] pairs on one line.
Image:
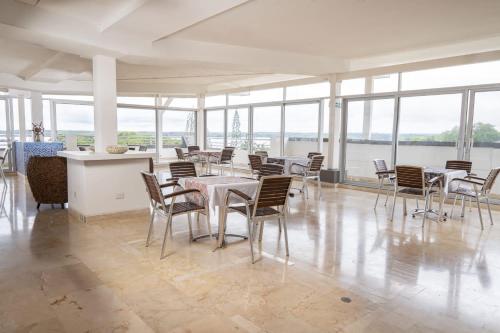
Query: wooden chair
[[270, 169], [169, 210], [270, 202], [181, 155], [310, 171], [48, 179], [410, 182], [311, 154], [193, 154], [225, 158], [143, 148], [383, 173], [461, 165], [3, 159], [255, 164], [476, 188]]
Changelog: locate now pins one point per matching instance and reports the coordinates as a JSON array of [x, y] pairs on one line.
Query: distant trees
[[481, 132], [236, 130]]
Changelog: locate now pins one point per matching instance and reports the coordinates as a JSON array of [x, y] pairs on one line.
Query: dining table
[[206, 156], [214, 189]]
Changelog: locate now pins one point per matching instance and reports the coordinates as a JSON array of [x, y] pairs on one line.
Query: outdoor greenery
[[481, 132]]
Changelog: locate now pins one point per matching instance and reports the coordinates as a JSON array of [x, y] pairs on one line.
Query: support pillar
[[334, 125], [104, 85], [367, 113]]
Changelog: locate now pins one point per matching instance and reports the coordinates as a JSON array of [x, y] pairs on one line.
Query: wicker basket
[[116, 149]]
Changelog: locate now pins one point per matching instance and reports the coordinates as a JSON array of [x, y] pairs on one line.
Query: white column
[[200, 122], [335, 125], [104, 82], [36, 108], [367, 114], [22, 119]]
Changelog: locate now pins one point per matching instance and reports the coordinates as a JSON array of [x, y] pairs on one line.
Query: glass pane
[[267, 129], [385, 83], [217, 100], [486, 133], [301, 129], [215, 129], [428, 129], [480, 73], [180, 102], [369, 137], [178, 130], [352, 86], [149, 101], [75, 124], [321, 89], [136, 127], [238, 134]]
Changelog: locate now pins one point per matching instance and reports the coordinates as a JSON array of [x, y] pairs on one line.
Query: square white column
[[104, 84]]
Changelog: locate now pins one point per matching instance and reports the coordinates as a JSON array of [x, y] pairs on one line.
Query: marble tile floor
[[350, 270]]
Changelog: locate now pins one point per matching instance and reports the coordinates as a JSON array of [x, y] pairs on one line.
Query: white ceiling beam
[[125, 10], [37, 66]]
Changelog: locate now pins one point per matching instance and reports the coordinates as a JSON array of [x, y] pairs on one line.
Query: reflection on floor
[[350, 270]]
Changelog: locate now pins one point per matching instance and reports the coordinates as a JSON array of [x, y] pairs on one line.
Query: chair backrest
[[230, 147], [262, 153], [193, 148], [410, 176], [182, 169], [269, 169], [380, 165], [311, 154], [226, 155], [80, 148], [459, 165], [180, 153], [255, 162], [143, 148], [153, 189], [272, 191], [48, 179], [316, 163], [490, 180]]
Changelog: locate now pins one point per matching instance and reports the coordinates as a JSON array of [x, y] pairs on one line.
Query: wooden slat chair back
[[270, 169], [459, 165], [273, 191], [193, 148], [182, 169], [380, 165], [490, 181], [410, 176], [180, 153], [255, 162], [311, 154], [316, 163], [226, 155], [153, 189]]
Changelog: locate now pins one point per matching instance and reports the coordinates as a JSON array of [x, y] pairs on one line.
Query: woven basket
[[116, 149]]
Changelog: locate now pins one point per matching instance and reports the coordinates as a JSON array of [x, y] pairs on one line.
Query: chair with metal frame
[[383, 173], [255, 164], [271, 202], [169, 210], [270, 169], [410, 182], [310, 171], [181, 155], [3, 159], [472, 191], [225, 158], [465, 166]]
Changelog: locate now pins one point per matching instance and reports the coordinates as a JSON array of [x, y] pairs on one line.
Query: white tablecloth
[[448, 176], [215, 188]]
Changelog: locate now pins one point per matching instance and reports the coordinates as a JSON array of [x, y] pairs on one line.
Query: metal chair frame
[[383, 173], [3, 158], [310, 171], [265, 198], [158, 205], [226, 157]]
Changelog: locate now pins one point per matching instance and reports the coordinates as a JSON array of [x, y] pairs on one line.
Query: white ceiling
[[183, 46]]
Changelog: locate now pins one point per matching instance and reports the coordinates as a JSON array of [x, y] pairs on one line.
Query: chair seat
[[414, 191], [265, 211], [184, 207], [464, 191]]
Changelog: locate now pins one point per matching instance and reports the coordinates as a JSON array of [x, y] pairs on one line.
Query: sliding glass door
[[301, 129]]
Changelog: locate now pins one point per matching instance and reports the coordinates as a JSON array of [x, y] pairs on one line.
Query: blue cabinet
[[24, 150]]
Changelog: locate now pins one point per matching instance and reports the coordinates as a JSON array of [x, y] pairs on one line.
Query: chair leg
[[232, 168], [306, 187], [489, 210], [393, 206], [462, 214], [250, 237], [286, 235], [479, 211], [405, 211], [380, 182], [426, 208], [2, 174], [386, 195], [190, 227], [261, 230], [209, 226], [169, 226], [150, 232], [453, 207], [470, 204], [279, 225], [38, 206]]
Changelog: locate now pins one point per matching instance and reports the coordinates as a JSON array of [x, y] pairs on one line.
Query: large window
[[136, 127], [214, 129], [178, 130], [75, 124], [301, 129], [238, 133], [267, 129]]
